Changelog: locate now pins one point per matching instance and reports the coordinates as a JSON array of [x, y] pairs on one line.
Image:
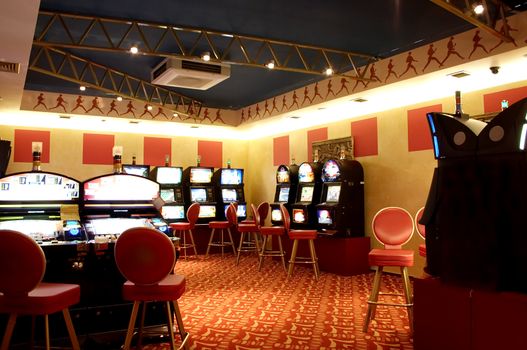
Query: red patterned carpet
[[238, 307]]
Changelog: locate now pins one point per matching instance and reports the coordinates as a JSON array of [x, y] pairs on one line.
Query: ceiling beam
[[164, 40], [62, 65]]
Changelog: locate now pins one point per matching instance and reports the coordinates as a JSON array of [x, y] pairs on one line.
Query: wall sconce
[[205, 56]]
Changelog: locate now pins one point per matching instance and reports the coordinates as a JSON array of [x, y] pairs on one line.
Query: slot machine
[[303, 211], [136, 169], [229, 189], [198, 187], [171, 192], [285, 193], [113, 203], [341, 211]]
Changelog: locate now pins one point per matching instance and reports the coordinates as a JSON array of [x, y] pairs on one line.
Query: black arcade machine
[[169, 179], [304, 213], [285, 193], [229, 189], [341, 211], [198, 187]]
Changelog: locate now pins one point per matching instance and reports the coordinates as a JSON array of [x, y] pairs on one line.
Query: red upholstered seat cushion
[[219, 224], [303, 234], [180, 226], [247, 227], [391, 257], [170, 288], [272, 230], [422, 250], [247, 221], [46, 298]]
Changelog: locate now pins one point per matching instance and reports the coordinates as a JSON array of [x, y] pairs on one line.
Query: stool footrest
[[219, 244], [390, 304]]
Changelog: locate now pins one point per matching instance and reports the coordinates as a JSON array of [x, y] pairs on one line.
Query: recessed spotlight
[[134, 122], [64, 117], [119, 98], [294, 117], [321, 108], [149, 107], [194, 127], [479, 9], [359, 100], [82, 88], [270, 64], [459, 74], [175, 115], [329, 71], [134, 50], [205, 56]]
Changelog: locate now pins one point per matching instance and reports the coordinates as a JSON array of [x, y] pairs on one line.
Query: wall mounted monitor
[[282, 174], [324, 217], [167, 195], [283, 195], [173, 212], [200, 175], [118, 188], [306, 193], [207, 211], [333, 193], [276, 215], [299, 216], [198, 194], [169, 175], [140, 170], [231, 177], [38, 186], [330, 171], [228, 194], [305, 173]]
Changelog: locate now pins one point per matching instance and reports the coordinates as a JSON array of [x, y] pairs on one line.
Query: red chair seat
[[170, 288], [180, 226], [303, 234], [247, 221], [272, 230], [248, 227], [219, 224], [422, 250], [391, 257]]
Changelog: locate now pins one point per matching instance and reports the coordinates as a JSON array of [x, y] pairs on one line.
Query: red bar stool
[[23, 265], [296, 236], [181, 229], [267, 233], [223, 226], [251, 228], [146, 258], [421, 230], [392, 227]]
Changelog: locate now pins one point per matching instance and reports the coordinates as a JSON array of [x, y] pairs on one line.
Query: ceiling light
[[64, 117], [134, 50], [479, 9], [205, 56], [270, 64], [359, 99], [194, 127], [149, 107], [175, 115], [329, 71], [134, 122], [295, 117], [82, 88], [119, 98], [459, 74]]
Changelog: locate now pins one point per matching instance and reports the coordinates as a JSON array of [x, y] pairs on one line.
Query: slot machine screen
[[140, 170], [207, 211], [283, 196], [117, 187], [167, 195], [198, 195], [305, 173], [37, 187], [241, 211], [282, 174], [200, 175], [306, 195], [330, 171], [324, 217], [333, 193], [299, 215], [231, 176], [228, 194], [276, 214], [168, 175], [174, 212]]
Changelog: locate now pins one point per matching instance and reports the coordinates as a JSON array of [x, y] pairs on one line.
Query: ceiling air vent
[[189, 74], [9, 67]]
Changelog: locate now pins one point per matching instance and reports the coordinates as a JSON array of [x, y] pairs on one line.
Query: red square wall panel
[[492, 102], [364, 134], [155, 149], [418, 131], [281, 150], [314, 136], [211, 153], [23, 145], [97, 149]]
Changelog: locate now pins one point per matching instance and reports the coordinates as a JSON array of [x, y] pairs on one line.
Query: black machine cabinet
[[170, 191], [198, 187], [303, 211], [341, 211], [285, 193], [475, 211], [5, 154], [228, 183]]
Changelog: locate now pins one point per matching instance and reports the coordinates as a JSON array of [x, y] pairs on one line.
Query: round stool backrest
[[232, 216], [421, 229], [256, 215], [263, 211], [286, 219], [393, 227], [193, 214]]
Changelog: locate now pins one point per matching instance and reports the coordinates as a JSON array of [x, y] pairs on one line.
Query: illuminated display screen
[[200, 175], [119, 187], [299, 215], [306, 194], [324, 217], [333, 193], [231, 176], [116, 226], [37, 229], [167, 195], [240, 212], [282, 174], [283, 196], [38, 187], [140, 170], [207, 211], [173, 212], [228, 194], [168, 175], [305, 173], [330, 171], [198, 195], [276, 215]]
